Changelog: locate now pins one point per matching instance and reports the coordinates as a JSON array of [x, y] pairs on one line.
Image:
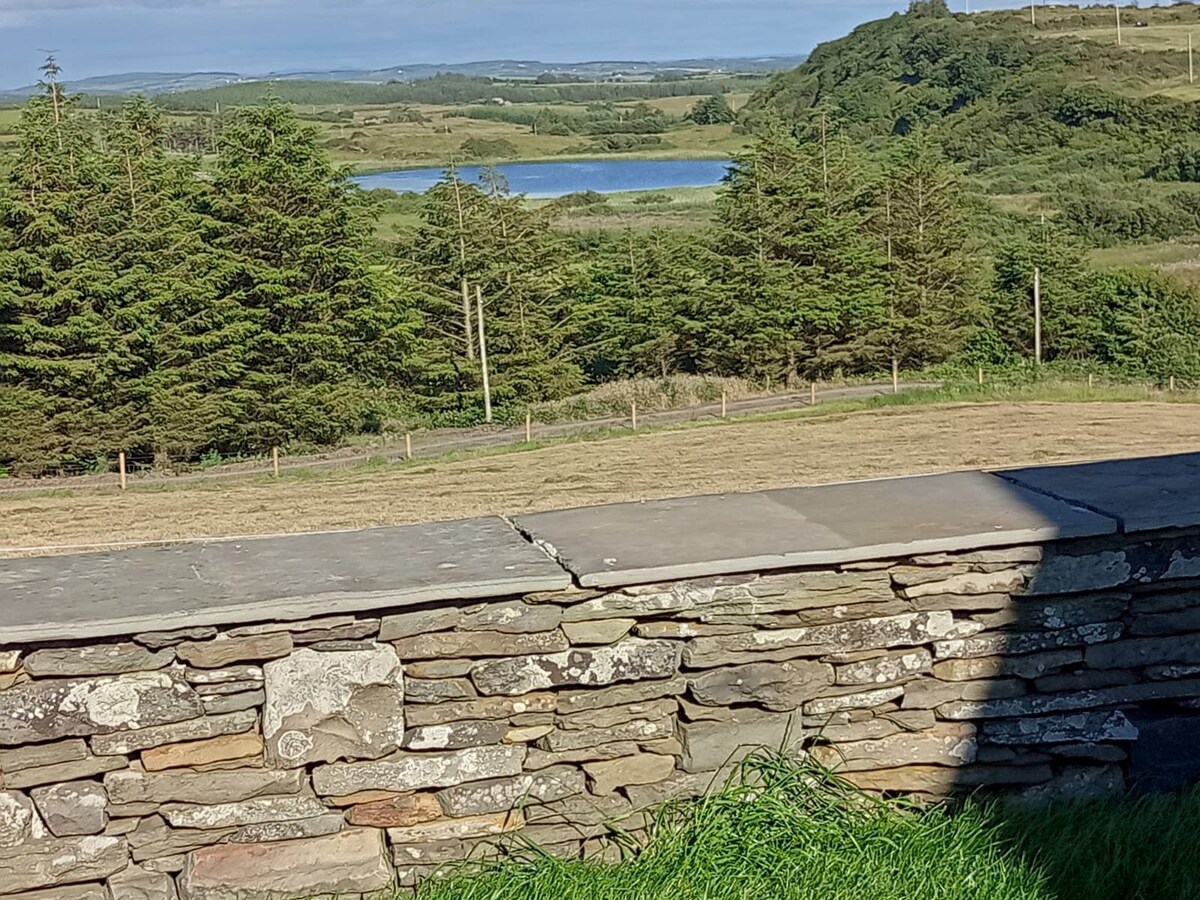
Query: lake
[[553, 179]]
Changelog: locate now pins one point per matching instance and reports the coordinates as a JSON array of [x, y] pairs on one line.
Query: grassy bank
[[786, 831]]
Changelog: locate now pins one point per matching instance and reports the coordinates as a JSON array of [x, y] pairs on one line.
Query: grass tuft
[[782, 830]]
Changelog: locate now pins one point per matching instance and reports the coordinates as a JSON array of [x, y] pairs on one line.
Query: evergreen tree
[[297, 283], [932, 277], [714, 110], [60, 359], [801, 273]]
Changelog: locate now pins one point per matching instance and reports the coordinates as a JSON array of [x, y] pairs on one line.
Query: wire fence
[[134, 470]]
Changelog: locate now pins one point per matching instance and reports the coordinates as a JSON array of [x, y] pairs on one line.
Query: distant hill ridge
[[171, 82]]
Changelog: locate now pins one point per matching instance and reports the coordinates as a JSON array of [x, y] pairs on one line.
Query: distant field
[[378, 147], [1179, 258]]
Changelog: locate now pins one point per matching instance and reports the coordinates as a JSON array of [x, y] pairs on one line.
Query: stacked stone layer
[[336, 756]]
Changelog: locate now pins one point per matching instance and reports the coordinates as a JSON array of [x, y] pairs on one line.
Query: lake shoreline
[[379, 168], [560, 177]]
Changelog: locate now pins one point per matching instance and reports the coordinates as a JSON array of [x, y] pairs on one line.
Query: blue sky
[[99, 37]]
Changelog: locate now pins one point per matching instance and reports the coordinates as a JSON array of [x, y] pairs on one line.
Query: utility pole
[[1117, 6], [1191, 62], [487, 386], [1037, 315], [1033, 14]]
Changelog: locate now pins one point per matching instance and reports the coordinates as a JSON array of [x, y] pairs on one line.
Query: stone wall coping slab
[[694, 537], [1142, 494], [269, 579], [224, 583]]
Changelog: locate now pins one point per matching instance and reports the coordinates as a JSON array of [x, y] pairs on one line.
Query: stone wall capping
[[893, 518], [244, 581]]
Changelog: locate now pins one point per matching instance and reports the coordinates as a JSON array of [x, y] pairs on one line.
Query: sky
[[104, 37]]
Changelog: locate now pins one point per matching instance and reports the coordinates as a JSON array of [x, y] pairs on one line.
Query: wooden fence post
[[1172, 383], [633, 413], [724, 404], [408, 445], [275, 461], [812, 393], [121, 467], [1091, 380], [981, 376], [528, 427]]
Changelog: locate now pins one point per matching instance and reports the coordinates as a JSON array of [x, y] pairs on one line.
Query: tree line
[[168, 308]]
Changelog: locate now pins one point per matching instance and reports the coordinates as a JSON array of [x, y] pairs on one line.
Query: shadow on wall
[[1081, 687]]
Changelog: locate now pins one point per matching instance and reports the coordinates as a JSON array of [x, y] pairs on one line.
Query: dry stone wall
[[339, 756]]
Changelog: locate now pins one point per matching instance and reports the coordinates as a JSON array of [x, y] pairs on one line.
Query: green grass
[[783, 831], [786, 830]]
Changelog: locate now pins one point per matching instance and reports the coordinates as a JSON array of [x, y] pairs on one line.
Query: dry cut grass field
[[741, 456]]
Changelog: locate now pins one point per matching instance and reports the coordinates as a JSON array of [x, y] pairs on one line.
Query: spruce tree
[[933, 278], [298, 285]]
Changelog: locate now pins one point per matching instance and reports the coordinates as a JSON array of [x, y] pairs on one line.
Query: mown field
[[835, 443]]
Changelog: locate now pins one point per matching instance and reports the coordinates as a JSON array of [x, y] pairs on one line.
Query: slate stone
[[776, 686], [1087, 727], [225, 651], [184, 786], [438, 690], [19, 821], [354, 861], [853, 700], [611, 717], [77, 808], [456, 735], [136, 883], [929, 693], [419, 771], [1074, 783], [633, 659], [202, 753], [60, 861], [223, 705], [470, 828], [398, 811], [1033, 665], [42, 755], [192, 730], [99, 659], [639, 730], [513, 617], [245, 812], [708, 746], [884, 669], [484, 708], [602, 631], [942, 745], [607, 776], [943, 781], [46, 710], [326, 706], [622, 695], [1138, 652], [67, 771], [907, 630], [504, 794], [1006, 581], [265, 832], [1042, 704], [475, 644], [423, 621], [1016, 643]]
